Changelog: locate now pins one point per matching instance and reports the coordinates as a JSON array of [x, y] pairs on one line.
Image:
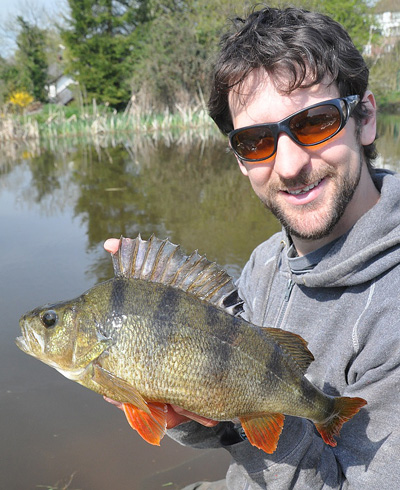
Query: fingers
[[111, 245], [113, 402], [193, 416], [175, 415], [174, 418]]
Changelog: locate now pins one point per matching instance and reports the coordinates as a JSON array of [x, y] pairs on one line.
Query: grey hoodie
[[344, 299]]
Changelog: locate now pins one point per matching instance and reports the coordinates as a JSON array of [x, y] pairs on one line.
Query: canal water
[[58, 203]]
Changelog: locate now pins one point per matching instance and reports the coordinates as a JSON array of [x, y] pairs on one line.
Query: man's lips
[[303, 190], [301, 196]]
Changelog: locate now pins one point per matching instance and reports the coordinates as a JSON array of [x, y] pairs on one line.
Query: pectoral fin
[[115, 386], [151, 426], [264, 431]]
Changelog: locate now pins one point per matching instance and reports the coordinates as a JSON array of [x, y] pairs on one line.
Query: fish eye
[[49, 318]]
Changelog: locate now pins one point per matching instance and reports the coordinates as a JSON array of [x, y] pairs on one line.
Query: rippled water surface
[[58, 204]]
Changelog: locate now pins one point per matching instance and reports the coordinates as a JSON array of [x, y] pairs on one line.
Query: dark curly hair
[[306, 46]]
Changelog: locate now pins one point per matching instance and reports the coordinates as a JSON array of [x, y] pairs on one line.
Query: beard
[[311, 221]]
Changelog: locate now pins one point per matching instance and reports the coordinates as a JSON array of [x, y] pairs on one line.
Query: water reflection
[[192, 194], [388, 142], [57, 205]]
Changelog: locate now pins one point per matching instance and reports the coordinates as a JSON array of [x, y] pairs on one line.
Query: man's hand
[[177, 415]]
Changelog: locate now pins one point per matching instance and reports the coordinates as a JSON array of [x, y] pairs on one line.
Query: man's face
[[307, 188]]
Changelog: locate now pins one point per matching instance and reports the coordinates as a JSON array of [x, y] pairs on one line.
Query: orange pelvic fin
[[151, 426], [263, 431], [345, 409]]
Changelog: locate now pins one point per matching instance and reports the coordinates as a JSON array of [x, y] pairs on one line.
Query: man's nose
[[290, 157]]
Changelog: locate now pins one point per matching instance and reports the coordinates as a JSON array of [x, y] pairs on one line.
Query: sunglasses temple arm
[[352, 104]]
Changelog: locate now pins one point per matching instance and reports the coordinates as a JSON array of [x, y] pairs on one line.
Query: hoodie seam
[[355, 333], [275, 261]]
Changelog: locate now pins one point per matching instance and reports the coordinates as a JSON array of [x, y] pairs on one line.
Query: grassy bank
[[52, 121]]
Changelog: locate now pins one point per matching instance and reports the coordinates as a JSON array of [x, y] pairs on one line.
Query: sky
[[39, 12], [16, 7]]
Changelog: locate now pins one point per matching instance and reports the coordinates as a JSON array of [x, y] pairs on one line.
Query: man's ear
[[368, 125]]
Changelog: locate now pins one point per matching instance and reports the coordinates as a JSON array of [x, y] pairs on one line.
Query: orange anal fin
[[264, 431], [345, 409], [151, 426]]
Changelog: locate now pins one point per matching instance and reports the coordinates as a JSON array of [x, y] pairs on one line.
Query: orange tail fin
[[150, 426], [345, 409]]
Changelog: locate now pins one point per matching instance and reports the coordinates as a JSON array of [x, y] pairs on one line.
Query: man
[[290, 90]]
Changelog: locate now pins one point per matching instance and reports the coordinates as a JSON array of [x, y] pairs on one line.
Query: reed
[[94, 121]]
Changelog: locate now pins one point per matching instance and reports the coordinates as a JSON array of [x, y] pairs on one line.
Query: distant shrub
[[20, 100]]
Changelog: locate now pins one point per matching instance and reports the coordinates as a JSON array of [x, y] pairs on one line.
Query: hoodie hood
[[369, 249]]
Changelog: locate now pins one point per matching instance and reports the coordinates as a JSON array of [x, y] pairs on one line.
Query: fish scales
[[147, 337], [181, 354]]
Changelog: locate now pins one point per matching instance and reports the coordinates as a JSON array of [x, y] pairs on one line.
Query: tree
[[31, 59], [99, 39], [173, 55], [351, 14], [385, 79], [173, 52], [9, 78]]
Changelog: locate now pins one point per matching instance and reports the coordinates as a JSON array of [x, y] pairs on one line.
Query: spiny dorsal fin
[[293, 344], [161, 261]]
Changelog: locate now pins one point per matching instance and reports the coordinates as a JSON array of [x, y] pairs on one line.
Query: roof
[[387, 6]]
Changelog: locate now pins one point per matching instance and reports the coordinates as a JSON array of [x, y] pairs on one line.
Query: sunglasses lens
[[314, 125], [254, 143]]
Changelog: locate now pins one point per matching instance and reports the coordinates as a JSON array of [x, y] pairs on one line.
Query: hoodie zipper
[[288, 292]]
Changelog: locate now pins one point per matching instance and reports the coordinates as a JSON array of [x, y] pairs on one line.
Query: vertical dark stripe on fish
[[275, 365], [219, 348], [225, 327], [167, 305], [117, 296], [165, 312]]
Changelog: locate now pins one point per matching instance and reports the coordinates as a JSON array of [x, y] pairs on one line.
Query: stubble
[[311, 221]]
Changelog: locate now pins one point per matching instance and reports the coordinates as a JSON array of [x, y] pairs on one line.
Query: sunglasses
[[308, 127]]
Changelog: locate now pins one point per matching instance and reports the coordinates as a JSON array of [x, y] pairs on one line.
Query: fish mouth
[[22, 340], [21, 344], [28, 342]]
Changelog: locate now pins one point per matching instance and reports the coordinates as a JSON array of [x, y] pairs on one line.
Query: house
[[59, 91], [59, 87]]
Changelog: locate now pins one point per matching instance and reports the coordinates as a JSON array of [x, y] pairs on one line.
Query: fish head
[[62, 335]]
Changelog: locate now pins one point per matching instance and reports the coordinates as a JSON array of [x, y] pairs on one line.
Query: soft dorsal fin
[[161, 261], [293, 344]]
